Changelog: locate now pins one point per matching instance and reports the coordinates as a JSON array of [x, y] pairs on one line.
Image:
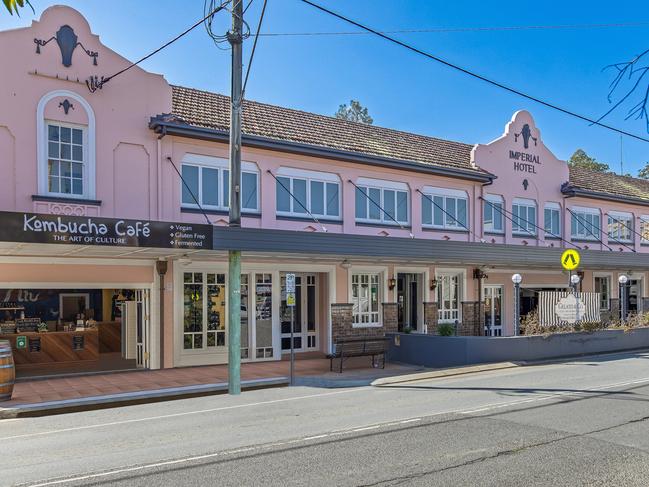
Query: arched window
[[65, 146]]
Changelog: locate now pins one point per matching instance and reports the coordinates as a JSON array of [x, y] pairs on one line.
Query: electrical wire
[[462, 29], [222, 40], [324, 229], [577, 217], [95, 83], [381, 208], [468, 72], [190, 190], [626, 226], [451, 216], [254, 46]]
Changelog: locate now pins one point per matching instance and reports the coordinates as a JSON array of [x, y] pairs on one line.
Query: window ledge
[[64, 199], [494, 232], [321, 219], [524, 235], [443, 229], [248, 214], [383, 225], [367, 325]]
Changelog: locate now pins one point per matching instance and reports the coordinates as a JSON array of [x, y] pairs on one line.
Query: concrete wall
[[436, 351]]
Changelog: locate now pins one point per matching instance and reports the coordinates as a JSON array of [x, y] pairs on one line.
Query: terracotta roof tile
[[609, 183], [212, 110]]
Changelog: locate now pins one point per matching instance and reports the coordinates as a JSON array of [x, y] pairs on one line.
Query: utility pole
[[235, 38]]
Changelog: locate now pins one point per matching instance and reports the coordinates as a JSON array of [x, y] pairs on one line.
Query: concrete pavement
[[582, 422]]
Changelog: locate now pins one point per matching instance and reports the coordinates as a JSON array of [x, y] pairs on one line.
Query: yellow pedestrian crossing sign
[[570, 259]]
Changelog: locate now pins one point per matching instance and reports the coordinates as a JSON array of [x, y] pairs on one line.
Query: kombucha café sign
[[62, 229]]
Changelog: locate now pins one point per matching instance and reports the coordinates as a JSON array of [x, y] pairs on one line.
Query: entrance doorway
[[409, 301], [305, 334], [632, 295], [493, 300]]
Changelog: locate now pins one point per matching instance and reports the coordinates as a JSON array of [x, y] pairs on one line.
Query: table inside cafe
[[35, 343]]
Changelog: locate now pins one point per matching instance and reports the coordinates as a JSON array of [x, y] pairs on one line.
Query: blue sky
[[400, 89]]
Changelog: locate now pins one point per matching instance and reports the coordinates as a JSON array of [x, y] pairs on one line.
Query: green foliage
[[407, 329], [644, 172], [355, 112], [14, 6], [446, 330], [583, 160]]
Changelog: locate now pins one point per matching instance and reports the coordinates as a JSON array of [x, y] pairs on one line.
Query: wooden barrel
[[7, 371]]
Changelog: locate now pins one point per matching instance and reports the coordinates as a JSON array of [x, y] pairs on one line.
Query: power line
[[254, 46], [189, 190], [450, 216], [295, 198], [94, 83], [381, 208], [474, 75], [461, 29]]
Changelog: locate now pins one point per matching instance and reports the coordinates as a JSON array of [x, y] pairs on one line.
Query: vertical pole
[[517, 308], [292, 347], [623, 303], [234, 256]]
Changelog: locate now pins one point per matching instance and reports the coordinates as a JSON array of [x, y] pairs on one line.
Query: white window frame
[[580, 211], [89, 189], [456, 194], [644, 220], [366, 184], [382, 272], [220, 164], [492, 199], [554, 208], [627, 219], [460, 274], [608, 276], [309, 177], [520, 202]]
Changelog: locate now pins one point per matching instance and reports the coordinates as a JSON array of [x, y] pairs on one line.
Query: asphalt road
[[576, 423]]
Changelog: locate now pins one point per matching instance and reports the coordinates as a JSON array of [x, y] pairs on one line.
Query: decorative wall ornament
[[526, 133], [95, 83], [526, 183], [66, 105], [68, 42]]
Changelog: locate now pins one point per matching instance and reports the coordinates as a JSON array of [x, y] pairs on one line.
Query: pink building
[[114, 210]]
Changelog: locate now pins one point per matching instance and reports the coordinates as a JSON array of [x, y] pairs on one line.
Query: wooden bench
[[359, 347]]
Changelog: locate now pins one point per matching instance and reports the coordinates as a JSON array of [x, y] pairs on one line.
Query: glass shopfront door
[[493, 300], [305, 336]]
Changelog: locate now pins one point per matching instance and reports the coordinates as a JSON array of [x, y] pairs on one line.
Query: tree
[[13, 6], [631, 85], [583, 160], [355, 112], [644, 172]]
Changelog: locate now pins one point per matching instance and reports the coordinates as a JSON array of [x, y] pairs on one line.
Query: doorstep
[[131, 398]]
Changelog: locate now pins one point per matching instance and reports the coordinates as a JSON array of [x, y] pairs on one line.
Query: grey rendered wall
[[436, 351]]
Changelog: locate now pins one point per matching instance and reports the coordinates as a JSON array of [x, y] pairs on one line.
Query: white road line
[[348, 431], [175, 415]]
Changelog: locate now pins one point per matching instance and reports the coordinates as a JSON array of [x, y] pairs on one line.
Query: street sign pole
[[290, 302]]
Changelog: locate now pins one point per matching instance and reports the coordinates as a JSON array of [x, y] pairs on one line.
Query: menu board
[[27, 324], [34, 344], [78, 342]]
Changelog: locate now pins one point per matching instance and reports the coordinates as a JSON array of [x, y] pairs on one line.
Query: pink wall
[[79, 273]]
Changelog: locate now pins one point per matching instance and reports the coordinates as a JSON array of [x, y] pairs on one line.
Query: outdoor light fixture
[[345, 264], [433, 284], [623, 280], [517, 279], [392, 282], [574, 279]]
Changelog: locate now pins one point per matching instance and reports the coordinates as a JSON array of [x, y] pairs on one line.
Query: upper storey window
[[65, 144], [299, 192], [206, 180], [620, 226], [444, 208], [66, 160], [585, 223], [524, 217], [383, 202], [552, 219], [492, 214]]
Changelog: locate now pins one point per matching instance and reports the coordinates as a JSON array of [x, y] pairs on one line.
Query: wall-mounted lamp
[[345, 264], [479, 274], [392, 282], [433, 284]]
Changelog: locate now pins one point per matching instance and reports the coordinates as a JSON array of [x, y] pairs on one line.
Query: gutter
[[259, 142], [570, 192]]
